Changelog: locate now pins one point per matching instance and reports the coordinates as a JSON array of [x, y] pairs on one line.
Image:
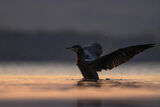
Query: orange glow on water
[[62, 87], [59, 85]]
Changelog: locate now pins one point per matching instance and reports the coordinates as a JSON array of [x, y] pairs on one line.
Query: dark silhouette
[[89, 62]]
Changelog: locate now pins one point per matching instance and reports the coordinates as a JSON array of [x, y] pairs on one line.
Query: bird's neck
[[79, 57]]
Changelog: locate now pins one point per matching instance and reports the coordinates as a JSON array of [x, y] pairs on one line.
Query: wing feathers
[[93, 51], [118, 57]]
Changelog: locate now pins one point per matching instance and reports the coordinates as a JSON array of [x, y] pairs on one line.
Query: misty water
[[49, 84]]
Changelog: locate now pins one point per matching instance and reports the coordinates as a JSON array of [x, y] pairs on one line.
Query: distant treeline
[[50, 46]]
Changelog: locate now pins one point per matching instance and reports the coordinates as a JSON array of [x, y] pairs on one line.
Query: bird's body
[[89, 61], [83, 65]]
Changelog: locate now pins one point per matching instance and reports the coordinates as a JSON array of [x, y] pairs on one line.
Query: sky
[[110, 16]]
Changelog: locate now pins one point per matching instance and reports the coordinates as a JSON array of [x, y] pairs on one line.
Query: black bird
[[90, 62]]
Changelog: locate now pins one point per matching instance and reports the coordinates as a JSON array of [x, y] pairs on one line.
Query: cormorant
[[90, 61]]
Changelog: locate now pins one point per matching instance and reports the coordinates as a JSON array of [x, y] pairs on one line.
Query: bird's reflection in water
[[108, 83], [86, 84], [89, 83]]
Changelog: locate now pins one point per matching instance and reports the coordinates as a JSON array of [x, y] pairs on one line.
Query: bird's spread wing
[[118, 57], [93, 51]]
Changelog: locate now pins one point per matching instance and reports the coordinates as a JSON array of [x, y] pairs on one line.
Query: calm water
[[23, 68], [50, 84]]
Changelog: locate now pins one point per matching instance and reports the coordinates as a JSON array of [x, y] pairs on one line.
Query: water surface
[[50, 84]]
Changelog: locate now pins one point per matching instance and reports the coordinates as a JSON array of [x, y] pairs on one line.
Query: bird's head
[[76, 48]]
